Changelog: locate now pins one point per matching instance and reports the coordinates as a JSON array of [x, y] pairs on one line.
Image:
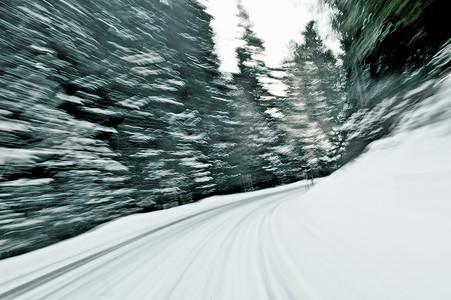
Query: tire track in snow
[[273, 261], [228, 232], [94, 261], [28, 286]]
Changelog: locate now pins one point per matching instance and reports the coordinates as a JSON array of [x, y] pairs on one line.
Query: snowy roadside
[[387, 216], [377, 229], [23, 268]]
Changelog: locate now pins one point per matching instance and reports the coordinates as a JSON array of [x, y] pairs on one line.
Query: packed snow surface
[[377, 229]]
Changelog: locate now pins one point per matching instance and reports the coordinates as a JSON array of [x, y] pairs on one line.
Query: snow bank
[[387, 216], [26, 267]]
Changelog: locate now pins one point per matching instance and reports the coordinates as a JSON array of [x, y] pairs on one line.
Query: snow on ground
[[377, 229], [43, 273], [380, 228]]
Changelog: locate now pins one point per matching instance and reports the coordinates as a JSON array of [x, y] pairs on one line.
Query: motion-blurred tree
[[107, 108], [262, 145], [315, 101]]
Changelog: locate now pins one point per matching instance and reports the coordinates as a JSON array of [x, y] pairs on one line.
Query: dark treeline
[[391, 59], [110, 108], [393, 53]]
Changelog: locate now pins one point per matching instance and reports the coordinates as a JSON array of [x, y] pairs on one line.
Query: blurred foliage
[[389, 36], [315, 102], [388, 51], [109, 108], [336, 106], [263, 147]]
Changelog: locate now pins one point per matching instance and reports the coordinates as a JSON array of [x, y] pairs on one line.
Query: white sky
[[277, 22]]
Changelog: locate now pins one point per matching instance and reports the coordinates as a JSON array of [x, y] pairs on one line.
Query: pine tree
[[315, 100], [265, 161], [108, 108]]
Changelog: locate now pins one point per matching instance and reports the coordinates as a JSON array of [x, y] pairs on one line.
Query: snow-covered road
[[380, 228], [269, 244], [226, 251]]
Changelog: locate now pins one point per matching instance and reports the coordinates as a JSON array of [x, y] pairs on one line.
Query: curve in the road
[[197, 256]]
